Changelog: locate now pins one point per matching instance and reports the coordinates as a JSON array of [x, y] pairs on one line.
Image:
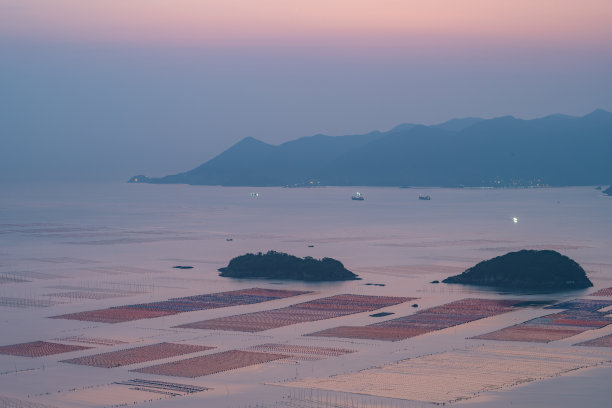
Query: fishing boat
[[422, 197], [357, 196]]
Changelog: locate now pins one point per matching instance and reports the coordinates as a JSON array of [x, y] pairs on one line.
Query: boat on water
[[422, 197], [357, 196]]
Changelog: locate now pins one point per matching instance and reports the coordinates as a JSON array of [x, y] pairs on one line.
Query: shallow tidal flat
[[460, 374]]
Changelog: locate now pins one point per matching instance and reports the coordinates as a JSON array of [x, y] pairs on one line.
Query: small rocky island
[[608, 191], [527, 269], [278, 265]]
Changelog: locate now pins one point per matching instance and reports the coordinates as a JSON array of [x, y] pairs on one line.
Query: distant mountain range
[[556, 150]]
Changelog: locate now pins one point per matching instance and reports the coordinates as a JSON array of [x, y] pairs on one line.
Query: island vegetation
[[544, 270], [279, 265]]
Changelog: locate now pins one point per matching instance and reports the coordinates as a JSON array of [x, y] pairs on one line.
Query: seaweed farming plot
[[124, 288], [585, 305], [62, 260], [137, 355], [603, 292], [26, 303], [211, 363], [100, 290], [180, 305], [370, 333], [172, 389], [529, 333], [99, 341], [458, 375], [319, 309], [11, 278], [552, 327], [115, 315], [122, 270], [605, 341], [124, 393], [36, 275], [301, 353], [79, 295], [6, 402], [425, 321], [39, 349], [325, 399]]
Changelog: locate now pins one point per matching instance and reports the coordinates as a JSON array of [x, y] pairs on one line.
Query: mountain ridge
[[554, 150]]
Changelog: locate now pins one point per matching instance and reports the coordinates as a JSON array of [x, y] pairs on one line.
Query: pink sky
[[171, 83], [310, 22]]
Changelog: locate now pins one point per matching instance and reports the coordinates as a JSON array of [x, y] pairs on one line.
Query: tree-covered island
[[278, 265], [544, 270]]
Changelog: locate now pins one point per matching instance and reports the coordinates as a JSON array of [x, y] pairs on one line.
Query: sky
[[101, 90]]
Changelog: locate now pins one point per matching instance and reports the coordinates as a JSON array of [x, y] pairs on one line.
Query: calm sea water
[[155, 226]]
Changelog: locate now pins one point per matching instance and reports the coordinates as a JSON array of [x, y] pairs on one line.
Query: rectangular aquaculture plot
[[260, 321], [319, 309], [11, 278], [586, 305], [39, 349], [180, 305], [115, 315], [429, 320], [26, 303], [211, 363], [603, 292], [137, 355], [554, 326], [605, 341], [451, 314], [8, 402], [98, 341], [79, 295], [370, 333], [173, 389], [298, 352], [531, 333], [121, 394]]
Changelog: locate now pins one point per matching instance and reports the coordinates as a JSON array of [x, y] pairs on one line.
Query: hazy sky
[[105, 89]]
